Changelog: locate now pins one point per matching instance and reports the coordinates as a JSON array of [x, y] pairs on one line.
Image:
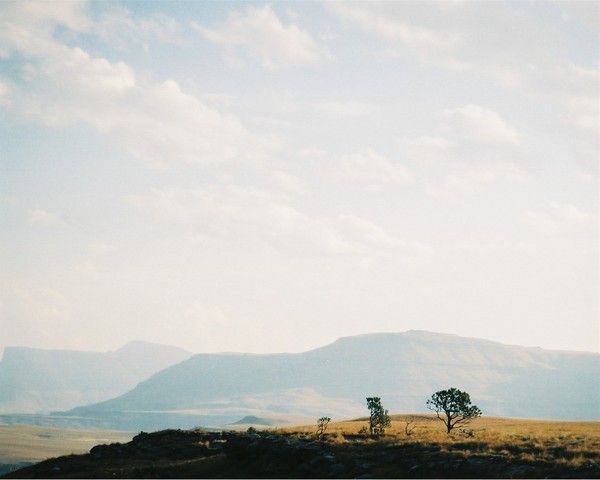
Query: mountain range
[[402, 368], [35, 380]]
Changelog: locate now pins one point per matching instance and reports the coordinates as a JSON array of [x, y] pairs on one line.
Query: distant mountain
[[34, 380], [403, 368], [252, 420]]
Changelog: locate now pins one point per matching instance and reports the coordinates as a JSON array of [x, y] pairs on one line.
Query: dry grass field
[[28, 443], [571, 444], [487, 448]]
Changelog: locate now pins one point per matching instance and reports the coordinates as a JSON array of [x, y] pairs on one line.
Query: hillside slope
[[402, 368], [499, 448], [36, 380]]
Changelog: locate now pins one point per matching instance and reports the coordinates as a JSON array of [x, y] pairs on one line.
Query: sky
[[268, 177]]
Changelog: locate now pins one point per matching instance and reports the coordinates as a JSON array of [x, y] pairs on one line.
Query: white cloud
[[370, 168], [463, 180], [27, 27], [425, 43], [457, 168], [231, 213], [101, 248], [218, 99], [462, 183], [80, 73], [347, 108], [119, 27], [571, 89], [258, 32], [42, 218], [425, 149], [63, 86], [561, 218], [287, 182], [470, 39], [483, 123], [581, 88], [227, 237], [426, 141], [254, 217], [376, 237]]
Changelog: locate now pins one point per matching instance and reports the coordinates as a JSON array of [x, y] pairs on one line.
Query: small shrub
[[322, 424], [379, 419]]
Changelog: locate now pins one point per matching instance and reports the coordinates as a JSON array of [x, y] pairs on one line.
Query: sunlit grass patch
[[572, 444]]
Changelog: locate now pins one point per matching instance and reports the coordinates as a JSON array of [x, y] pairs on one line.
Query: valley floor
[[488, 448], [25, 444]]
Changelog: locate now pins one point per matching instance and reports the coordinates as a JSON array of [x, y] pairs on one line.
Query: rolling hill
[[34, 380], [402, 368]]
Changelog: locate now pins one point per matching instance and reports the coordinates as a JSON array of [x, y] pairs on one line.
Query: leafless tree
[[409, 426]]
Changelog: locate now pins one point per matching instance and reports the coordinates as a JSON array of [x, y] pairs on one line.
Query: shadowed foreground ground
[[492, 448]]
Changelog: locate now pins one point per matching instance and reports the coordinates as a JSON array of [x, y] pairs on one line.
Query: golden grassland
[[486, 448], [28, 443], [567, 443]]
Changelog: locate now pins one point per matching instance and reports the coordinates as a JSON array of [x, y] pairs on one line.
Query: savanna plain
[[414, 446]]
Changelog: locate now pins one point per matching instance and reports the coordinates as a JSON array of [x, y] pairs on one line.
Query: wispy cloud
[[42, 218], [425, 43], [465, 180], [355, 137], [258, 33], [561, 218], [371, 169], [253, 217], [155, 121], [426, 149], [119, 27], [479, 122], [347, 109]]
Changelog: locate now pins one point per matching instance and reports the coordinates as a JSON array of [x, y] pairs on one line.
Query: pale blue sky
[[271, 176]]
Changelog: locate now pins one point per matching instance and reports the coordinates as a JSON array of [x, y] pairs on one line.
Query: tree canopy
[[453, 407], [379, 419]]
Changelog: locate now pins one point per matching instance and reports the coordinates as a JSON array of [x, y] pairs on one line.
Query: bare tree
[[409, 426]]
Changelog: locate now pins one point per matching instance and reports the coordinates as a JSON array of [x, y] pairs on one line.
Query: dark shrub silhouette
[[322, 425]]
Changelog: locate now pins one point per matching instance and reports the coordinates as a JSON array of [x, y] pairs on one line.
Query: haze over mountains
[[402, 368], [35, 380]]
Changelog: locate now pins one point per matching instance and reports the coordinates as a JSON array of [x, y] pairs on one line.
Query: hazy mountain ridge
[[403, 368], [38, 380]]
